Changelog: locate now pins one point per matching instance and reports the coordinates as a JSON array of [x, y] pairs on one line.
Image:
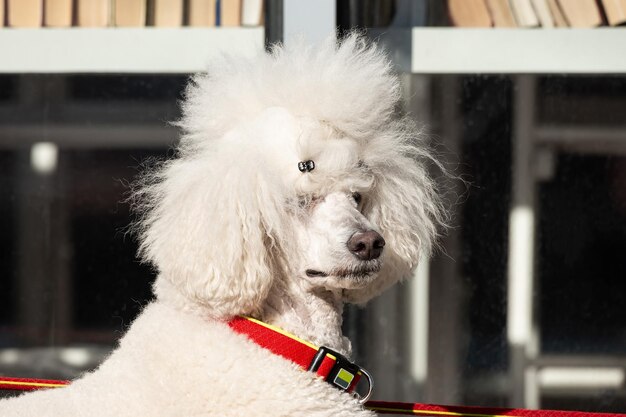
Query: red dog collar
[[328, 364]]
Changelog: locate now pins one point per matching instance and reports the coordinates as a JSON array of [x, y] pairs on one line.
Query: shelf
[[121, 50], [507, 51], [416, 50]]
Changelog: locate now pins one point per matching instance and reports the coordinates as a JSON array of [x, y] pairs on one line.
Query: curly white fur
[[233, 227]]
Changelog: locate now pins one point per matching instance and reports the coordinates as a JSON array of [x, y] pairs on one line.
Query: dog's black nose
[[366, 245]]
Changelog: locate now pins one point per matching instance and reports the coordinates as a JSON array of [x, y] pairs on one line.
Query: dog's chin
[[345, 278]]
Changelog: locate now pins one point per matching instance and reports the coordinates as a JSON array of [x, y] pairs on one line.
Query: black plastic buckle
[[343, 371]]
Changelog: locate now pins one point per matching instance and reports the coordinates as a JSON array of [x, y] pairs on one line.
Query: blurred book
[[57, 13], [469, 13], [437, 13], [411, 13], [524, 13], [129, 13], [380, 13], [391, 13], [229, 12], [501, 13], [369, 13], [557, 14], [201, 12], [615, 11], [25, 13], [252, 13], [581, 13], [543, 13], [93, 13], [167, 13]]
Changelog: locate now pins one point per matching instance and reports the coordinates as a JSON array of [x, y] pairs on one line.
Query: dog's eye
[[357, 198]]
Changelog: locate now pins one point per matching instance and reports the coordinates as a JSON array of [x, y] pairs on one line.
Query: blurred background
[[522, 306]]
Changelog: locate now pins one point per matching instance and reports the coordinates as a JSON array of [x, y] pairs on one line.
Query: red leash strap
[[383, 407], [29, 384], [380, 407]]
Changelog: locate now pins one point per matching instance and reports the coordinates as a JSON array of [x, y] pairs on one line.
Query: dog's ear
[[405, 206], [210, 221]]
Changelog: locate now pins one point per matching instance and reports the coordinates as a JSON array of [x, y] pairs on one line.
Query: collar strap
[[326, 363]]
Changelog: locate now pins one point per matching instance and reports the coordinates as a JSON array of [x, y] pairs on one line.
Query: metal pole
[[522, 248]]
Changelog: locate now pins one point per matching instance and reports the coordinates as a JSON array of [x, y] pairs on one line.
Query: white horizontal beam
[[121, 50], [69, 136], [571, 134], [563, 378], [583, 139], [507, 51], [581, 360]]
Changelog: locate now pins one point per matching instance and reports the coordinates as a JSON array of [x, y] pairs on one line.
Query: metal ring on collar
[[370, 384]]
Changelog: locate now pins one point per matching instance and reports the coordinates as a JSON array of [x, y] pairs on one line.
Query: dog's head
[[295, 160]]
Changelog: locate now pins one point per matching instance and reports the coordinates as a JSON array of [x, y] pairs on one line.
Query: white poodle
[[295, 188]]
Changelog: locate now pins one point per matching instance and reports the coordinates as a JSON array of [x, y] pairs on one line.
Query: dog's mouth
[[311, 273], [358, 273]]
